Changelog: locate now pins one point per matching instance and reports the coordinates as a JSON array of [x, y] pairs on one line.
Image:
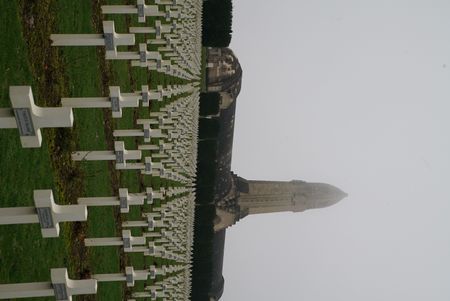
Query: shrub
[[217, 21], [209, 103]]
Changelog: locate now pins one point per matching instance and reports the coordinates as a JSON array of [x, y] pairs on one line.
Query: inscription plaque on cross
[[140, 8], [61, 287], [109, 39], [29, 118], [116, 101], [46, 213]]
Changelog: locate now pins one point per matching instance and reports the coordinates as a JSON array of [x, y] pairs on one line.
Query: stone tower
[[294, 196], [233, 197], [254, 197]]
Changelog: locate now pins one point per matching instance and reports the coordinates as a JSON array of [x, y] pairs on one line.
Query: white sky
[[354, 93]]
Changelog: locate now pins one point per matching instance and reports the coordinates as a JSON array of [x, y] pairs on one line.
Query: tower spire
[[295, 196], [256, 197]]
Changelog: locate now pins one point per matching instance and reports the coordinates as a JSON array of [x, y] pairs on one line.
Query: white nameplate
[[45, 217], [24, 122], [60, 290], [109, 41]]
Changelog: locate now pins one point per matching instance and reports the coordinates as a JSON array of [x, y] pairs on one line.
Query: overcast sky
[[354, 93]]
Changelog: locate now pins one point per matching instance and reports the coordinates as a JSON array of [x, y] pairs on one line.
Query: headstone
[[61, 287], [124, 200], [140, 9], [46, 213], [30, 118], [130, 276], [116, 101], [127, 241], [119, 154], [109, 39]]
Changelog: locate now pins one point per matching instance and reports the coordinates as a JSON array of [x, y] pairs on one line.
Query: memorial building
[[236, 197]]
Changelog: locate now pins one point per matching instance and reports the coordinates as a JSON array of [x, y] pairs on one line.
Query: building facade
[[236, 197]]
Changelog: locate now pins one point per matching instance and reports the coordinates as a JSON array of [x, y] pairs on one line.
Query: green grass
[[82, 65], [24, 254], [27, 59], [23, 170]]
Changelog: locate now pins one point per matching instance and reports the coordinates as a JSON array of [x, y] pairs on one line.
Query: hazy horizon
[[354, 94]]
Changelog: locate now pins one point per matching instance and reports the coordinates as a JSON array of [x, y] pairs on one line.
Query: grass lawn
[[26, 58], [24, 255]]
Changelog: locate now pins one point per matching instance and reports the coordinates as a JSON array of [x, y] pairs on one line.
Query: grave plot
[[128, 105]]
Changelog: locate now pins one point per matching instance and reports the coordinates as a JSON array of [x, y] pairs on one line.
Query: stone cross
[[154, 133], [153, 295], [160, 65], [110, 39], [127, 241], [46, 213], [142, 249], [152, 195], [116, 101], [138, 58], [162, 289], [146, 132], [161, 93], [130, 276], [156, 169], [30, 118], [155, 271], [146, 96], [174, 14], [145, 168], [151, 234], [159, 120], [125, 200], [149, 222], [141, 9], [157, 94], [166, 41], [157, 251], [169, 2], [156, 147], [61, 287], [120, 155], [159, 29], [151, 167]]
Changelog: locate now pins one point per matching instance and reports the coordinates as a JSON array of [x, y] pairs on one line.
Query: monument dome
[[224, 72]]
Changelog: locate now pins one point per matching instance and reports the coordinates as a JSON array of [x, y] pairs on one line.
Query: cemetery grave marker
[[61, 287], [109, 39], [30, 118], [119, 154], [116, 101], [140, 9], [46, 213], [125, 200]]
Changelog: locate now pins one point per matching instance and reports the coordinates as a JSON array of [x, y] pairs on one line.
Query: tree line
[[217, 21], [205, 209]]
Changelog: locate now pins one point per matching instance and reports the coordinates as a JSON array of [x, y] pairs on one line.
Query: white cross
[[30, 118]]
